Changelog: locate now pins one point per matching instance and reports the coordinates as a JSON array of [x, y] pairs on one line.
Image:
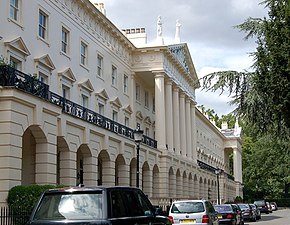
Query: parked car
[[97, 205], [256, 210], [269, 207], [248, 212], [195, 212], [239, 212], [228, 214], [274, 206], [262, 206]]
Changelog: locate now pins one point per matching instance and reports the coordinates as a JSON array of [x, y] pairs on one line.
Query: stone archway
[[62, 157], [178, 184], [146, 179], [190, 186], [34, 142], [195, 185], [121, 172], [155, 182], [106, 169], [83, 164], [133, 172], [185, 184], [171, 182]]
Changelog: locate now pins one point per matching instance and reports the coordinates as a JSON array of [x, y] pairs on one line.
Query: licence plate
[[188, 221], [220, 217]]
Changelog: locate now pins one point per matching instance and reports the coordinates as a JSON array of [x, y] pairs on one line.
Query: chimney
[[137, 36], [100, 6]]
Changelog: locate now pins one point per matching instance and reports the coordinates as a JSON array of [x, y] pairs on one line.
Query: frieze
[[91, 21]]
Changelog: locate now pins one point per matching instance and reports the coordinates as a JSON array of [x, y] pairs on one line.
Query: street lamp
[[138, 135], [218, 172]]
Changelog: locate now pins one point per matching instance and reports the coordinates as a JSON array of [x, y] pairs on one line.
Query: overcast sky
[[207, 26]]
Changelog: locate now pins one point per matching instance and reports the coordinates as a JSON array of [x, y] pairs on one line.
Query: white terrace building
[[80, 88]]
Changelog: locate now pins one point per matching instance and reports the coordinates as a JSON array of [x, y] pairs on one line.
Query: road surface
[[279, 217]]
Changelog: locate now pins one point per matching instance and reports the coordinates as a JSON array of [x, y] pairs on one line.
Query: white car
[[196, 212]]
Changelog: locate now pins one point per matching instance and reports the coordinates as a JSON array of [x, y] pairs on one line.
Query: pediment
[[45, 61], [103, 94], [139, 115], [68, 74], [181, 53], [116, 102], [18, 45], [148, 120], [86, 84], [128, 109]]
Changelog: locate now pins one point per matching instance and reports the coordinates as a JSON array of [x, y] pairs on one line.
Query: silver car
[[193, 212]]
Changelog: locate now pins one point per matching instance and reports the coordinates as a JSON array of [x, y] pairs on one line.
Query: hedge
[[26, 196]]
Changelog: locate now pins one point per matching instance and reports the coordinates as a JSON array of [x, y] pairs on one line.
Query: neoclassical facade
[[77, 87]]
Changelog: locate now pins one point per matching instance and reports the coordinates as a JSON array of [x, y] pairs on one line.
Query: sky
[[207, 26]]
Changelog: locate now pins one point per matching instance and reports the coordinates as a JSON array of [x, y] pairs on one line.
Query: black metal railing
[[205, 166], [14, 216], [12, 77], [212, 169]]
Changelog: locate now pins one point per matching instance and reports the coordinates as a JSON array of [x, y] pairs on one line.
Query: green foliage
[[262, 97], [26, 196], [262, 100]]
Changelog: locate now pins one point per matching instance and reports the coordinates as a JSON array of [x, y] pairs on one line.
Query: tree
[[263, 96]]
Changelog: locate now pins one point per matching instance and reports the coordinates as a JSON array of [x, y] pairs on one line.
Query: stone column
[[193, 132], [188, 129], [160, 111], [176, 119], [237, 165], [132, 122], [182, 125], [169, 114]]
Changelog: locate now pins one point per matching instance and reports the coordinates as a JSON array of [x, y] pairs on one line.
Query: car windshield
[[223, 208], [70, 206], [259, 203], [187, 207], [244, 206]]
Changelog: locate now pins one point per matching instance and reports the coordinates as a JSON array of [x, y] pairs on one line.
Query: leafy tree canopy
[[262, 97]]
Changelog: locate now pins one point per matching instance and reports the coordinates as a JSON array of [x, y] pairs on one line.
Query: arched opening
[[172, 183], [33, 141], [105, 172], [185, 184], [62, 150], [121, 172], [133, 172], [83, 162], [146, 179], [200, 188], [178, 184], [190, 186], [155, 182]]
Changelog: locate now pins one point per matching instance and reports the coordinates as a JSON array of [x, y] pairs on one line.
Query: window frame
[[114, 76], [100, 65], [83, 55], [16, 10], [65, 43], [42, 24], [125, 83]]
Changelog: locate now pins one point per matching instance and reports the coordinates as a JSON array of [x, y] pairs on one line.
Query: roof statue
[[177, 32], [159, 31]]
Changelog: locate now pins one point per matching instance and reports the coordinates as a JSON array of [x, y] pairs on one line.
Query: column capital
[[182, 94], [159, 73], [169, 81]]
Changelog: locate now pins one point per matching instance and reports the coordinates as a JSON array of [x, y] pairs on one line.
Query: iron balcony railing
[[15, 78], [212, 169]]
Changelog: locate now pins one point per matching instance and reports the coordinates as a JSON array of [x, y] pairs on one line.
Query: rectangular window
[[101, 108], [137, 92], [125, 83], [147, 131], [65, 91], [100, 66], [84, 49], [146, 99], [153, 104], [42, 25], [115, 115], [42, 77], [114, 76], [15, 63], [126, 121], [64, 40], [85, 101], [14, 9]]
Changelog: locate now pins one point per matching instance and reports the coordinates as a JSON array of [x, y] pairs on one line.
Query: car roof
[[189, 200], [85, 189]]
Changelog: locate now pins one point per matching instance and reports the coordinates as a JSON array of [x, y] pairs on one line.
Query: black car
[[239, 210], [262, 206], [256, 210], [248, 212], [97, 205], [228, 214]]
